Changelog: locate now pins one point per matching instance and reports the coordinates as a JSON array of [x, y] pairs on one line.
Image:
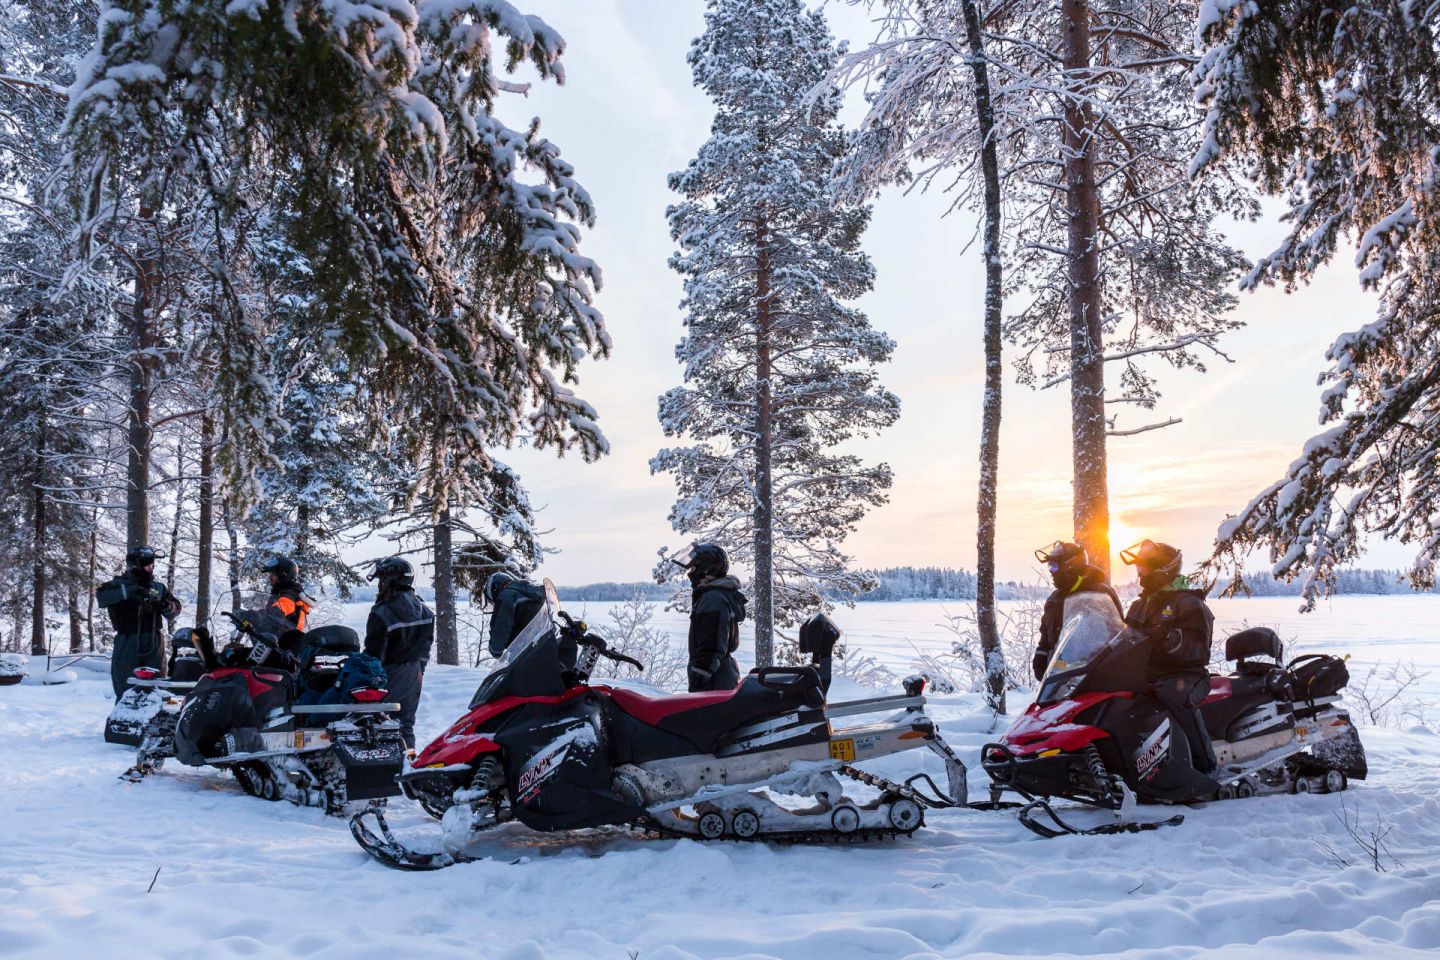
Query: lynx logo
[[539, 770], [1155, 748]]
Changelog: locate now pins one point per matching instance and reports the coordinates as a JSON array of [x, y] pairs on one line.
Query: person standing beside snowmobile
[[513, 604], [1179, 626], [399, 633], [138, 607], [716, 610], [1071, 573], [287, 593]]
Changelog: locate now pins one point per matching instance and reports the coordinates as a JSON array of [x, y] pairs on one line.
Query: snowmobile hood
[[726, 589]]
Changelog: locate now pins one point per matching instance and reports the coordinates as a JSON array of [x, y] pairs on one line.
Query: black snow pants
[[405, 681], [1181, 694], [725, 677], [132, 650]]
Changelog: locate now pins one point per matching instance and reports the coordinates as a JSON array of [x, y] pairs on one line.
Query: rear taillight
[[368, 694], [146, 673]]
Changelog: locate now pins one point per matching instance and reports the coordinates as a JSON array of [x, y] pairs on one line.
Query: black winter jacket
[[137, 603], [1089, 580], [400, 629], [716, 611], [1180, 627], [515, 606]]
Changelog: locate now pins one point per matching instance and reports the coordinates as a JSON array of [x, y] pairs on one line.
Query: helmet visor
[[684, 557], [1143, 554]]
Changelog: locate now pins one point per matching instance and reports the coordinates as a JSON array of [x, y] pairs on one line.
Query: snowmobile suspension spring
[[1097, 766]]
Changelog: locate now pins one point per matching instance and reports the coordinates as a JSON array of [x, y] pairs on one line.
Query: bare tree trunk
[[72, 605], [234, 555], [302, 529], [764, 493], [40, 547], [988, 500], [93, 565], [205, 539], [173, 557], [1087, 362], [447, 636], [143, 341]]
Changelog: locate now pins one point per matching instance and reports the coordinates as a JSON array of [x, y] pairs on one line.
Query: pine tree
[[1336, 108], [778, 369], [451, 287]]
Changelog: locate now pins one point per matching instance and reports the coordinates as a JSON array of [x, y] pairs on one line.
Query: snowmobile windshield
[[1091, 624], [530, 666], [266, 624]]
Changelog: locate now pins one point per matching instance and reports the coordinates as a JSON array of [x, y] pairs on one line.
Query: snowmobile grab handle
[[579, 630]]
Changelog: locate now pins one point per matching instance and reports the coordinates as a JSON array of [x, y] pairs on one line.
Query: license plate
[[842, 749]]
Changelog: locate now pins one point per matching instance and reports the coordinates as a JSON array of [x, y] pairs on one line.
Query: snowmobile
[[1094, 736], [149, 692], [315, 737], [542, 745]]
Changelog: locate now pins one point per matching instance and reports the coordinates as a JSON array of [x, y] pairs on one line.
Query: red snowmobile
[[1091, 737], [542, 745]]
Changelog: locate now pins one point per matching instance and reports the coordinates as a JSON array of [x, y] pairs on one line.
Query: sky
[[628, 115]]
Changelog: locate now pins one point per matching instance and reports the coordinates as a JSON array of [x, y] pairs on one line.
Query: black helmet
[[1063, 559], [393, 572], [1157, 563], [283, 567], [703, 560], [496, 582], [138, 558]]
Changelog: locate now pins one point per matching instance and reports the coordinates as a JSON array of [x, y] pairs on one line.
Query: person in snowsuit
[[287, 593], [513, 604], [138, 606], [716, 610], [1180, 627], [1071, 573], [399, 633]]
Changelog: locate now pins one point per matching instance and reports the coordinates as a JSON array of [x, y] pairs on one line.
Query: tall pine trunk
[[988, 500], [233, 557], [764, 435], [205, 539], [447, 636], [173, 556], [1087, 361], [92, 567], [77, 619], [40, 547], [142, 342]]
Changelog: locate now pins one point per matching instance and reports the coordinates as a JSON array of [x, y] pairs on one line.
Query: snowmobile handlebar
[[581, 634]]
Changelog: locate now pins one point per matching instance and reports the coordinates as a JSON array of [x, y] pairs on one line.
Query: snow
[[239, 876]]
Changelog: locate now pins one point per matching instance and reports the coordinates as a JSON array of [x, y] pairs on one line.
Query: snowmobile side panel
[[448, 748], [557, 767]]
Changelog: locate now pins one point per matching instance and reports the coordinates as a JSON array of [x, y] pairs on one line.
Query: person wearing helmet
[[513, 603], [287, 593], [138, 606], [717, 609], [1179, 626], [1071, 573], [399, 633]]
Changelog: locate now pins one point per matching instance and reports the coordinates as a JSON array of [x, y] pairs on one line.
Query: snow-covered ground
[[240, 877]]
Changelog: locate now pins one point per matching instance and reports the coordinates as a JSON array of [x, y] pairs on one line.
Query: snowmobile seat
[[703, 718], [1255, 642], [1246, 691]]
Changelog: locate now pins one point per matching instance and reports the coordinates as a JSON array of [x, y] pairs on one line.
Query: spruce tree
[[778, 367], [1335, 107]]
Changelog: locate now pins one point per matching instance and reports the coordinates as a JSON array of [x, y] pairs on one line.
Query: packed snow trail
[[242, 877]]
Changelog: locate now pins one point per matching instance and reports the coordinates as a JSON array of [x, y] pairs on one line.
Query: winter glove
[[1039, 662]]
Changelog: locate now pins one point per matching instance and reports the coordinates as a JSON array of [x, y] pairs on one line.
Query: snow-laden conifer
[[778, 366], [1335, 107]]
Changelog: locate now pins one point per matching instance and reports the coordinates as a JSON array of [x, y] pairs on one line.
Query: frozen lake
[[1373, 629]]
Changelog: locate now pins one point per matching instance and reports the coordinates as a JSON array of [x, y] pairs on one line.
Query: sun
[[1122, 535]]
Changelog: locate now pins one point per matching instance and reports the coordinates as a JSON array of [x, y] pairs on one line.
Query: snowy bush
[[632, 635], [12, 665], [963, 667], [1385, 696]]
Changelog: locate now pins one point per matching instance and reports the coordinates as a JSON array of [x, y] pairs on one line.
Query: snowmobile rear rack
[[344, 708]]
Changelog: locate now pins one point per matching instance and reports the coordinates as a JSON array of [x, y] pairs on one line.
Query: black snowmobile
[[191, 655], [543, 746], [1095, 736], [287, 715]]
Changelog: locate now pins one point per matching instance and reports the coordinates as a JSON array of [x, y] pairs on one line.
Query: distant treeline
[[1261, 584]]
